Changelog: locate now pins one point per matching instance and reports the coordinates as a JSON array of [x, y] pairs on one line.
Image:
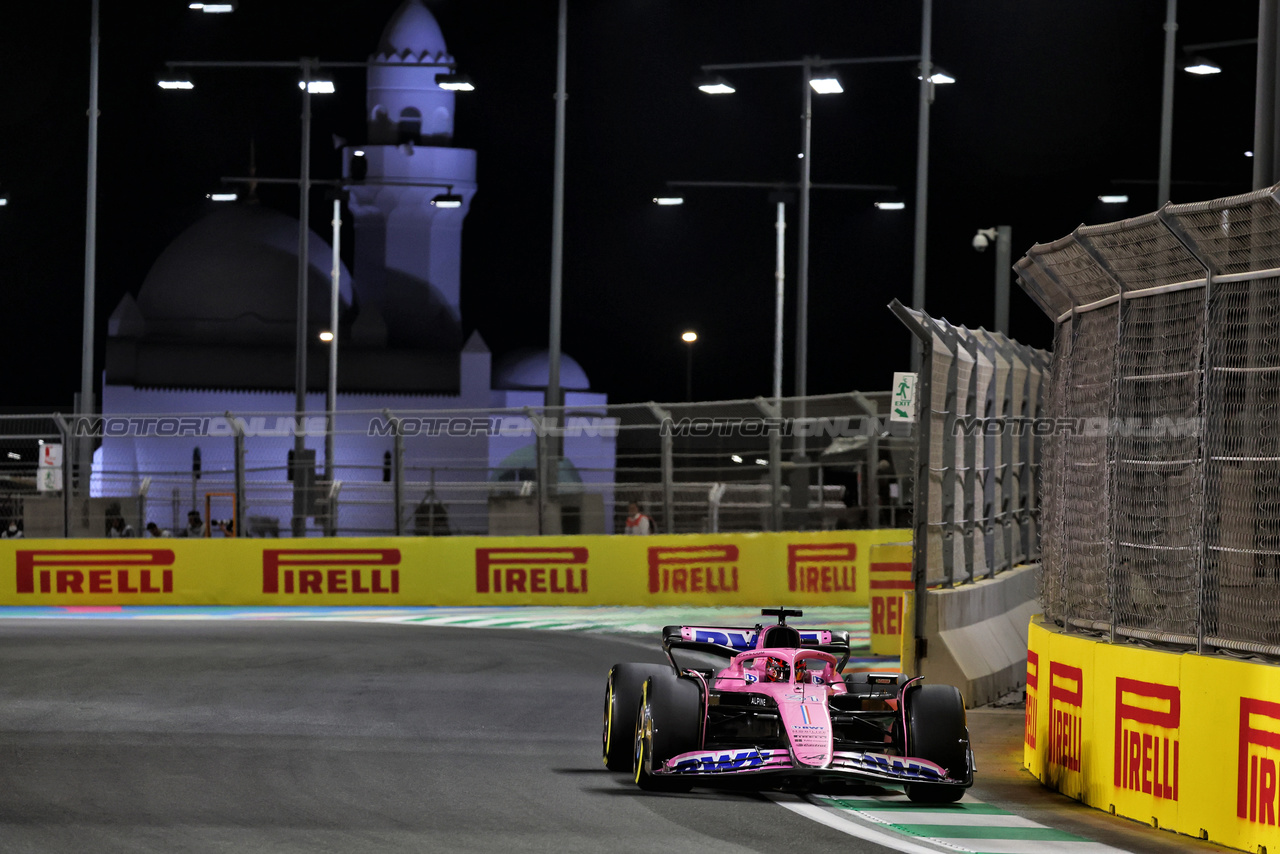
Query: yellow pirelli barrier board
[[1186, 742], [819, 568], [889, 579]]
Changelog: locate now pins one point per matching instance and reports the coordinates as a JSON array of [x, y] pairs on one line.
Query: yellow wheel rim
[[644, 701], [608, 720]]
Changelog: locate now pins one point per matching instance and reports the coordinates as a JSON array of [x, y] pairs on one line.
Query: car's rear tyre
[[668, 723], [621, 696], [936, 731]]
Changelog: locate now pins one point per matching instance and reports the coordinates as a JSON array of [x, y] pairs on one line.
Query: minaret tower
[[408, 252]]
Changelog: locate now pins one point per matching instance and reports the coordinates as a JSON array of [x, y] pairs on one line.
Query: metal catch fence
[[691, 467], [979, 399], [1162, 476]]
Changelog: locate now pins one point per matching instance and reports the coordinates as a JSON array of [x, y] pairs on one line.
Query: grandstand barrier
[[1180, 741], [796, 568]]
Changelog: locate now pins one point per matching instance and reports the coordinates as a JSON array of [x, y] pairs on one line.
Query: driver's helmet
[[776, 670]]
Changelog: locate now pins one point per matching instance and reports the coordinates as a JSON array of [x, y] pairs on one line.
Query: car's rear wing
[[729, 641]]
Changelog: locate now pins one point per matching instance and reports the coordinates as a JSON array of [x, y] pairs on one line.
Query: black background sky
[[1056, 103]]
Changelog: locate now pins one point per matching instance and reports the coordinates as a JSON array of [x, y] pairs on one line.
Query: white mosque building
[[212, 330]]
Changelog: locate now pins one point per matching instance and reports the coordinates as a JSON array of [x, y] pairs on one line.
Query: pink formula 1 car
[[767, 707]]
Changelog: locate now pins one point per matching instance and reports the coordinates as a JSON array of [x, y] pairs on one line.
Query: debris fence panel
[[981, 409], [1166, 373]]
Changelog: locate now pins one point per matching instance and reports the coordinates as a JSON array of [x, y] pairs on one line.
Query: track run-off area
[[425, 729]]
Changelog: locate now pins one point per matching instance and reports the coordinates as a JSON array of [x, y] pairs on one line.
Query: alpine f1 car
[[767, 707]]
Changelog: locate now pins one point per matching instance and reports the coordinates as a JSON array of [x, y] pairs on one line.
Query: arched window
[[410, 129]]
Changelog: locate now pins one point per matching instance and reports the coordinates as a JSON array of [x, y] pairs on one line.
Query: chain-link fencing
[[705, 466], [1161, 478]]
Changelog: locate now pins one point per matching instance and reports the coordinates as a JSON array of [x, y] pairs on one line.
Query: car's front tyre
[[621, 696], [668, 723], [936, 731]]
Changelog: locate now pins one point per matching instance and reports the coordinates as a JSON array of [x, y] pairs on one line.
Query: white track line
[[825, 816]]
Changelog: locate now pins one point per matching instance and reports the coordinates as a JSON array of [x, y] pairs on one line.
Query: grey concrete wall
[[977, 634]]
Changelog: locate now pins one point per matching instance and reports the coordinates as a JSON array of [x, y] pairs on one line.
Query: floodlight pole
[[922, 172], [331, 397], [1166, 104], [299, 525], [802, 272], [84, 447], [552, 468]]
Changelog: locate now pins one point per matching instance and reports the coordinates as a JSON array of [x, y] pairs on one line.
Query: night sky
[[1055, 104]]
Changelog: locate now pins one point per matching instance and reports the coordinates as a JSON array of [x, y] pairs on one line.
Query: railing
[[691, 467]]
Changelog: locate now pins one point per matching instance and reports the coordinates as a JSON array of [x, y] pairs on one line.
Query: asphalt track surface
[[290, 736]]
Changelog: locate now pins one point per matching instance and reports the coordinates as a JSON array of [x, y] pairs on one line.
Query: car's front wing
[[855, 764]]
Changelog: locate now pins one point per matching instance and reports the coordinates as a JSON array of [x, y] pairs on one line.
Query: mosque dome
[[531, 369], [232, 278], [412, 33]]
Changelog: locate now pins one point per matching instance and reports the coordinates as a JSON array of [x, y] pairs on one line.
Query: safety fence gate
[[1161, 481]]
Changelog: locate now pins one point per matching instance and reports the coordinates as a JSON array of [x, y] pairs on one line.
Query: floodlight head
[[318, 87], [447, 200], [174, 79], [825, 81], [326, 336], [714, 84], [891, 206], [1114, 200], [1201, 66], [668, 200], [455, 82], [689, 337], [221, 197], [937, 76]]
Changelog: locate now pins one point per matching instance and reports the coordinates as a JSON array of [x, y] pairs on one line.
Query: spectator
[[195, 527], [154, 530], [13, 532], [118, 527], [637, 522]]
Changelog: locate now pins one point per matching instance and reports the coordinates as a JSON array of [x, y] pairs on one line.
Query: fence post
[[237, 435], [773, 410], [668, 466], [539, 465], [965, 341], [1206, 373], [65, 433], [949, 458], [397, 470], [1008, 352], [873, 457], [920, 486]]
